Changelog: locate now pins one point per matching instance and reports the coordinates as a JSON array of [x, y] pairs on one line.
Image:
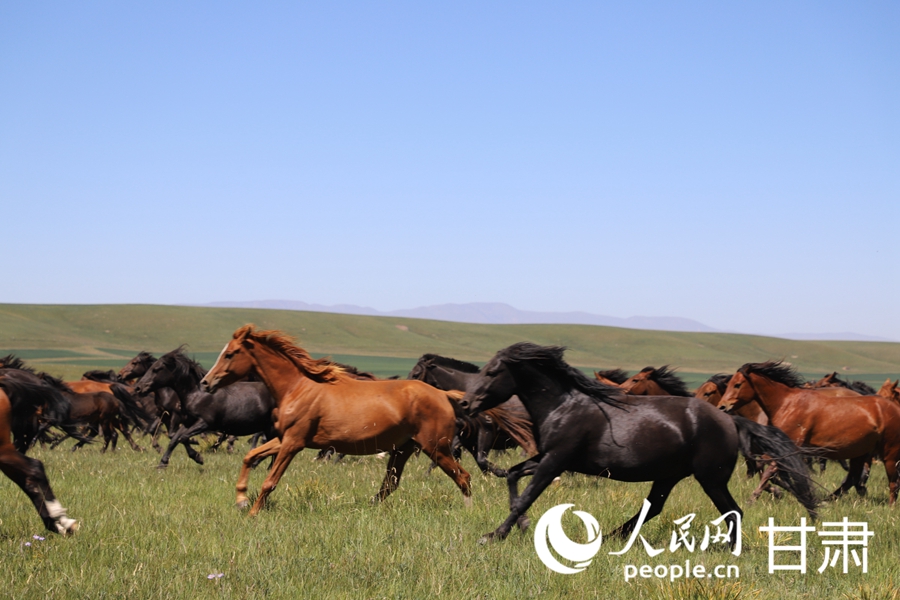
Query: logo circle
[[549, 533]]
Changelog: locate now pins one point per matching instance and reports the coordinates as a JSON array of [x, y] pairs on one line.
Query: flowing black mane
[[101, 376], [861, 387], [182, 366], [614, 375], [446, 361], [668, 380], [776, 370], [11, 361], [551, 359], [721, 381]]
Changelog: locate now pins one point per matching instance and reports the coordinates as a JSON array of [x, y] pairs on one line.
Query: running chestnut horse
[[319, 406], [28, 473], [849, 427]]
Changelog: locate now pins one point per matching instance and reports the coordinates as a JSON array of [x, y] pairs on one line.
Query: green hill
[[74, 338]]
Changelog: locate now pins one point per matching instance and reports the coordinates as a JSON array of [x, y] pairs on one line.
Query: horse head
[[235, 361]]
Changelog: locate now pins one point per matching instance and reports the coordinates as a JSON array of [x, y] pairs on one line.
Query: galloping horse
[[499, 428], [851, 427], [28, 473], [242, 408], [317, 406], [890, 390], [832, 380], [651, 381], [584, 426], [613, 377]]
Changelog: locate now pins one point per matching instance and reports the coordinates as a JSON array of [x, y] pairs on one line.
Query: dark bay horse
[[502, 427], [28, 473], [242, 408], [851, 427], [653, 381], [317, 406], [584, 426]]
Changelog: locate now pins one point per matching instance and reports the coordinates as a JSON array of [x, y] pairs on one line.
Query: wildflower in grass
[[38, 538], [215, 575], [27, 543]]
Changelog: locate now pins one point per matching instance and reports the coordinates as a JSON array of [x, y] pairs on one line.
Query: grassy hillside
[[74, 338]]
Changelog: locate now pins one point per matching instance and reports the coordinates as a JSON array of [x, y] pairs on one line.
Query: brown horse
[[890, 390], [853, 428], [318, 406], [611, 377], [651, 381], [28, 473]]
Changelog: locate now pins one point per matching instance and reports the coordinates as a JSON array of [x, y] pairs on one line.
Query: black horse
[[584, 426], [506, 426], [243, 408]]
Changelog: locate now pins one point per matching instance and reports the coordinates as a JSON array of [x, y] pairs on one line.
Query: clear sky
[[733, 163]]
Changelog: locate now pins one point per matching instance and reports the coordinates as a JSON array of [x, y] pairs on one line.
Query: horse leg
[[659, 492], [725, 503], [442, 454], [860, 486], [395, 465], [28, 474], [156, 428], [549, 468], [523, 469], [181, 437], [764, 482], [483, 446], [124, 431], [853, 477], [892, 467], [270, 448], [289, 448]]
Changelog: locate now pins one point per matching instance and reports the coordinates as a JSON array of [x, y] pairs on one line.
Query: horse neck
[[538, 392], [278, 372], [448, 379], [770, 395]]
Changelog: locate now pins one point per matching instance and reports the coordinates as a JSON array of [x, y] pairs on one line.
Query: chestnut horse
[[651, 381], [890, 390], [28, 473], [319, 406], [851, 427]]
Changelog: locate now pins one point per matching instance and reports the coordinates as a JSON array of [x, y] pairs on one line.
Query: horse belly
[[360, 436]]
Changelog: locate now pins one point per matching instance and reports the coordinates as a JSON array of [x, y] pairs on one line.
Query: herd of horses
[[645, 427]]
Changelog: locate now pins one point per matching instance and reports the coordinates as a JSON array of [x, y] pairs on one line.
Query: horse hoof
[[198, 459], [161, 466], [523, 522]]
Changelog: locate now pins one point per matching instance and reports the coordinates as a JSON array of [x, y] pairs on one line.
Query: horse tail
[[131, 408], [770, 443], [517, 425]]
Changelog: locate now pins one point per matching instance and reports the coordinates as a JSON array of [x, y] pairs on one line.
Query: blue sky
[[734, 164]]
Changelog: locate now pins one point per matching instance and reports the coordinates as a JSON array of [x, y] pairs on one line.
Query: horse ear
[[241, 333], [247, 343]]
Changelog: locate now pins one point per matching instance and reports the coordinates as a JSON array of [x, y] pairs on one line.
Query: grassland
[[69, 339], [151, 534]]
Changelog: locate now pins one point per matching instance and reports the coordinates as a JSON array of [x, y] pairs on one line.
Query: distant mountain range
[[496, 313]]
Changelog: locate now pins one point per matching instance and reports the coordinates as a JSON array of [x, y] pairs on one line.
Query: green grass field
[[151, 534]]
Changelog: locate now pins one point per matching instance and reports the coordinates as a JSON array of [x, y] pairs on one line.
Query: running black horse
[[501, 428], [242, 408], [584, 426]]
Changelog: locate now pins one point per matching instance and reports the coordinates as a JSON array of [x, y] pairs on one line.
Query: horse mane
[[668, 380], [516, 422], [857, 386], [101, 376], [551, 358], [446, 361], [615, 375], [11, 361], [27, 392], [322, 370], [144, 357], [720, 380], [776, 370], [184, 366], [55, 382], [355, 373]]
